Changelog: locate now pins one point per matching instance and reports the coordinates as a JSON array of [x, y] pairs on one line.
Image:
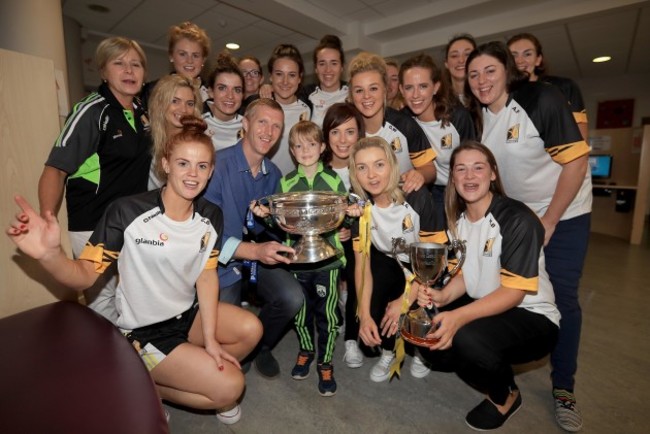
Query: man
[[243, 174]]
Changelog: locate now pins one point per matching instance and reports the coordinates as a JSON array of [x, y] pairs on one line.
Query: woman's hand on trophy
[[368, 332], [424, 294], [344, 234], [447, 324], [272, 252], [258, 209], [390, 322], [354, 210]]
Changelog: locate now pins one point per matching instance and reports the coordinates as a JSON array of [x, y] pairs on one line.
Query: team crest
[[445, 143], [204, 242], [396, 145], [321, 291], [304, 116], [487, 249], [513, 134], [407, 224], [240, 134]]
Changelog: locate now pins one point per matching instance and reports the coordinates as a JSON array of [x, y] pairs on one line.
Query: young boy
[[318, 280]]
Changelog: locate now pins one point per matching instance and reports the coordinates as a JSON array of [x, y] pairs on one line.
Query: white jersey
[[293, 113], [344, 174], [322, 101], [222, 133]]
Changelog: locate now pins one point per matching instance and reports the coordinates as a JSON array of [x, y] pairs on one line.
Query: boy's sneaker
[[326, 382], [301, 370], [381, 371], [418, 368], [353, 356], [566, 412], [228, 417]]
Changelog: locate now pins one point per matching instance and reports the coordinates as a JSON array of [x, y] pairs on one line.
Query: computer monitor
[[601, 166]]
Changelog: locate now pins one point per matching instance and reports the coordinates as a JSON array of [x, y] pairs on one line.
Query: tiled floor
[[613, 381]]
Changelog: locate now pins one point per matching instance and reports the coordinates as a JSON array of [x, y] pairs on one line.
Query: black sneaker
[[486, 417], [326, 381], [300, 370], [266, 364]]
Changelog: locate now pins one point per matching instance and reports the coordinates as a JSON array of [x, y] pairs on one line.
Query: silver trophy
[[428, 261], [309, 214]]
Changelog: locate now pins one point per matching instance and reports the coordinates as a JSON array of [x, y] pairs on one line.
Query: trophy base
[[417, 340], [312, 248]]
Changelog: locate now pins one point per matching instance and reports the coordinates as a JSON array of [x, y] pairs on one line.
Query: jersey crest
[[487, 249], [396, 145], [446, 141], [407, 224], [205, 239], [513, 134]]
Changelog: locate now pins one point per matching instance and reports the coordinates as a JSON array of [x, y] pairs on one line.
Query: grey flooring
[[613, 380]]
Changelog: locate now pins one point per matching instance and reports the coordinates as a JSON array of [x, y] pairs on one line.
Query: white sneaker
[[353, 356], [228, 417], [381, 371], [418, 368]]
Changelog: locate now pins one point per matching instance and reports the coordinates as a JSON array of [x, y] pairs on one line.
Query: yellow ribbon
[[400, 353], [364, 242]]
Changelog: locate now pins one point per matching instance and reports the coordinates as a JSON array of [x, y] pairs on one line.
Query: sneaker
[[566, 412], [353, 356], [326, 382], [228, 417], [266, 364], [381, 371], [486, 417], [418, 368], [301, 369]]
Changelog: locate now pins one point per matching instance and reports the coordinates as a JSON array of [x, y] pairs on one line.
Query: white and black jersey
[[445, 137], [505, 248], [572, 93], [407, 140], [222, 133], [321, 101], [414, 221], [158, 259], [531, 138], [293, 113]]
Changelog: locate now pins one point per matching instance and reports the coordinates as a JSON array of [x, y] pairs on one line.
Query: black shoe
[[301, 370], [326, 382], [266, 364], [246, 366], [486, 417]]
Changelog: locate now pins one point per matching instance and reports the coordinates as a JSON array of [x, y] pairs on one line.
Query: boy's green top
[[325, 179]]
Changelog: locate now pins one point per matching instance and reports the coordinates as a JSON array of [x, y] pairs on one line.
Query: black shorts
[[154, 342]]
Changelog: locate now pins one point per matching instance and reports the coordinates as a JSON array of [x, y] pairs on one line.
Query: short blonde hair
[[305, 129], [112, 48], [393, 188]]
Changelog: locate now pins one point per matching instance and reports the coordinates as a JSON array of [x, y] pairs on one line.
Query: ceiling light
[[602, 59], [232, 46]]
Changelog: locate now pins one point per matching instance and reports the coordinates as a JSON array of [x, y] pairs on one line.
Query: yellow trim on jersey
[[567, 153], [514, 281], [439, 237], [213, 260], [421, 158], [98, 256], [580, 117]]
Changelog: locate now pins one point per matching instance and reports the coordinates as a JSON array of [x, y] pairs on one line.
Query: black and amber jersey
[[407, 140], [572, 93], [414, 221], [158, 259], [444, 138], [531, 138], [505, 248], [106, 152]]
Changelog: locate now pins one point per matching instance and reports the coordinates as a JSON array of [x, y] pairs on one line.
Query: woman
[[226, 88], [388, 215], [251, 69], [188, 49], [166, 245], [286, 70], [543, 163], [446, 124], [500, 309], [173, 98], [342, 128], [527, 51], [368, 84], [456, 53], [102, 153], [393, 97]]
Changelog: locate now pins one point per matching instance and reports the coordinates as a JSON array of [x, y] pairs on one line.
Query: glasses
[[251, 73]]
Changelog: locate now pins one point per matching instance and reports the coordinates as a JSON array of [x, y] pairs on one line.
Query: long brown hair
[[455, 205]]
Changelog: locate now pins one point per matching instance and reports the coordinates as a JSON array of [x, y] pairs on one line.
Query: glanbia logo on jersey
[[139, 241], [513, 134]]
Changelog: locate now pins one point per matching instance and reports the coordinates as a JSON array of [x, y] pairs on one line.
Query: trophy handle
[[459, 247]]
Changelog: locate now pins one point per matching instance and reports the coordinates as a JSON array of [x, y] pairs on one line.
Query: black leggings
[[483, 350]]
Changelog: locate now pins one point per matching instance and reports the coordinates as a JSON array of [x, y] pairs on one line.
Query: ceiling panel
[[640, 54]]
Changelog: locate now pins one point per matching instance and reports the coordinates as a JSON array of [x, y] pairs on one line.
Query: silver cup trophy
[[428, 261], [309, 214]]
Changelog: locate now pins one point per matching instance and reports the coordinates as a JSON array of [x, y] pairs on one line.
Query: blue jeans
[[565, 257]]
